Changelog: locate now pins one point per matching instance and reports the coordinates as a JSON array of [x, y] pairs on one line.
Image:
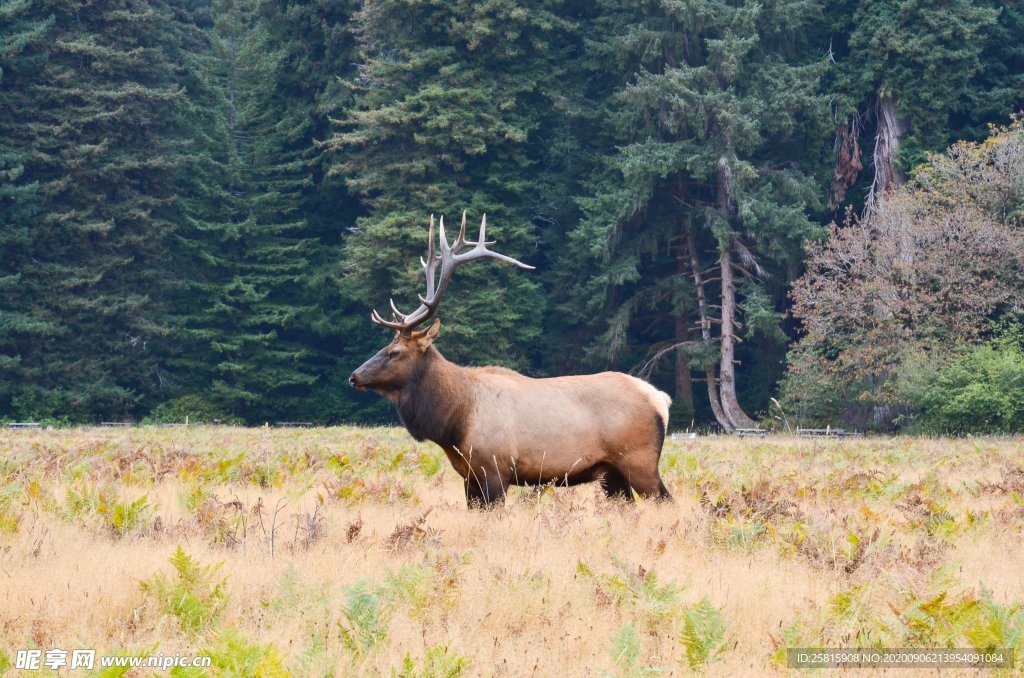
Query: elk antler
[[449, 258]]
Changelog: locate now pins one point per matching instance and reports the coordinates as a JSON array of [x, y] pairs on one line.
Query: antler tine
[[480, 251], [443, 241], [480, 237], [430, 265], [401, 321], [430, 243], [375, 317], [461, 241], [399, 316]]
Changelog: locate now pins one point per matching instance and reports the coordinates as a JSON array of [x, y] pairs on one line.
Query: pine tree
[[22, 55], [318, 51], [94, 120], [909, 73], [449, 104], [715, 95], [250, 347]]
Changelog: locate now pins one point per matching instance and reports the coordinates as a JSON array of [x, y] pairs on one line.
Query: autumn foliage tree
[[923, 275]]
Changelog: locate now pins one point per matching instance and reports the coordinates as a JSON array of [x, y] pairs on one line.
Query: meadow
[[349, 551]]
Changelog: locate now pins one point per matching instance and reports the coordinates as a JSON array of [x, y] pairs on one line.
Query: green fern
[[192, 498], [438, 662], [427, 593], [945, 614], [639, 590], [295, 596], [410, 586], [997, 627], [743, 532], [119, 517], [315, 658], [195, 596], [792, 636], [365, 624], [308, 601], [11, 495], [703, 634], [431, 464], [10, 523], [231, 654], [627, 653], [126, 517], [81, 501]]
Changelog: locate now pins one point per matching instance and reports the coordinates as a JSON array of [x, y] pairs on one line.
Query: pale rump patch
[[660, 400]]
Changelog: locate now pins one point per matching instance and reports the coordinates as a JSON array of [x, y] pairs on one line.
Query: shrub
[[192, 408], [982, 392]]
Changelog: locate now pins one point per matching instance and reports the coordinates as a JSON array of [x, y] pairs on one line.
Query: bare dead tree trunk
[[887, 145], [684, 384], [716, 405], [727, 365], [705, 331], [727, 343]]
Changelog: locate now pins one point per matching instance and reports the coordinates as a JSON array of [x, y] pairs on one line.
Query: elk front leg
[[485, 488], [616, 486]]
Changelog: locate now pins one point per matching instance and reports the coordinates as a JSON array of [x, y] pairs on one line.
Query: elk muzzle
[[372, 374], [359, 379]]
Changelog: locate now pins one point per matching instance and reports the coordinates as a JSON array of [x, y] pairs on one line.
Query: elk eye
[[392, 354]]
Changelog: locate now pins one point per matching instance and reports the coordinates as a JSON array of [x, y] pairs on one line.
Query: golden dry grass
[[351, 551]]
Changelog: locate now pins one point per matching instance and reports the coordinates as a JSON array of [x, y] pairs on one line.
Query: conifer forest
[[781, 212]]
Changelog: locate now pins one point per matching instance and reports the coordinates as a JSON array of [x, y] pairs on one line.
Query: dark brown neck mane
[[435, 403]]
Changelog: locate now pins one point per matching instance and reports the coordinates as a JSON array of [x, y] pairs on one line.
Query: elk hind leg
[[645, 479]]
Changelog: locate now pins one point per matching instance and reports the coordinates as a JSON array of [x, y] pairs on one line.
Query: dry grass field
[[350, 551]]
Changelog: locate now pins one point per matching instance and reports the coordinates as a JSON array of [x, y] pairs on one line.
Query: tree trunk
[[848, 163], [727, 344], [727, 366], [684, 384], [705, 331], [232, 83], [887, 145]]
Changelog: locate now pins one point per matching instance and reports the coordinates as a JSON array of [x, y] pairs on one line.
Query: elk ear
[[427, 336]]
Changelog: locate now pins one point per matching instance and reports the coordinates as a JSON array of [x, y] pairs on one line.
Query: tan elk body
[[500, 428]]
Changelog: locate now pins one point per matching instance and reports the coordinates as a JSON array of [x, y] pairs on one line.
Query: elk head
[[400, 361]]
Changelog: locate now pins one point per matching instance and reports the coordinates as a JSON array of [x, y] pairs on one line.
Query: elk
[[501, 428]]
